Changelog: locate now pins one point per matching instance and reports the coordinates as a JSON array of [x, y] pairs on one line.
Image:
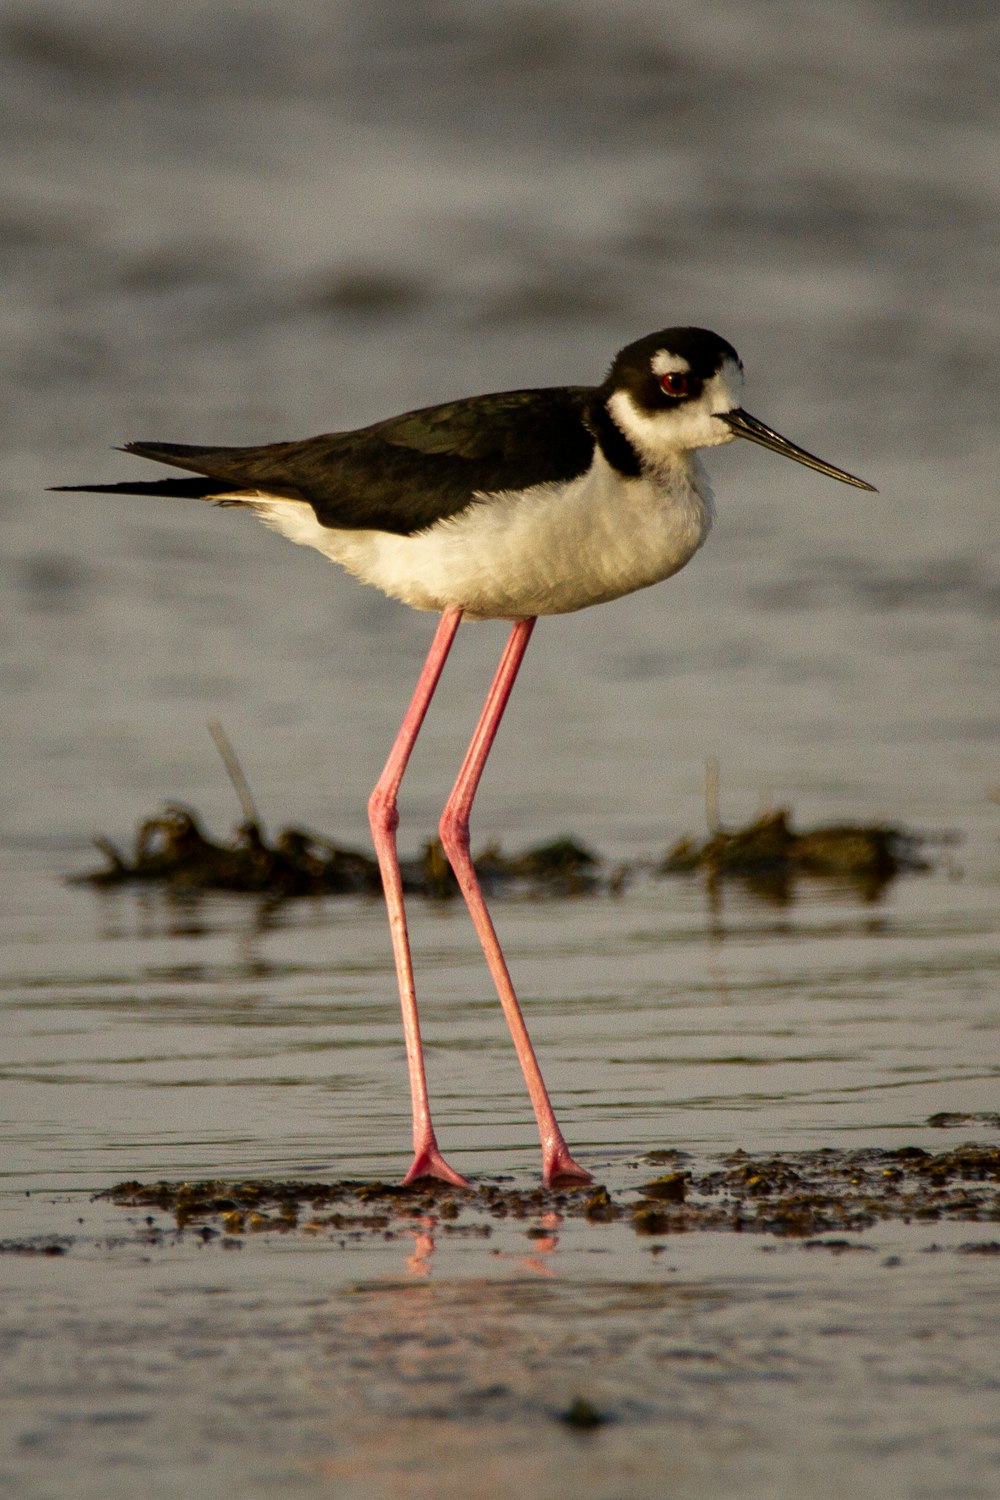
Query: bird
[[510, 506]]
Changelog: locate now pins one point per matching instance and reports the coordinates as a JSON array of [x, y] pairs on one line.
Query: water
[[232, 223]]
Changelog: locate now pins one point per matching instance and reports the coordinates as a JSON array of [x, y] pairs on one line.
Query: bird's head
[[674, 391]]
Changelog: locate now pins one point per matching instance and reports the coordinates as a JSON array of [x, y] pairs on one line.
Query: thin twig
[[712, 795], [234, 771]]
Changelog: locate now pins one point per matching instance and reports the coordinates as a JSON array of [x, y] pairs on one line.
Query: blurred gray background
[[240, 223]]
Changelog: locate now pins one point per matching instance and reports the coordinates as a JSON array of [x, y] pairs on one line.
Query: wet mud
[[798, 1195]]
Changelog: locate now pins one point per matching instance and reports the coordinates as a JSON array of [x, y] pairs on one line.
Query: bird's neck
[[619, 453]]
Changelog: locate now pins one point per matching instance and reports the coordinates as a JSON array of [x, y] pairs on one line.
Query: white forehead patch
[[725, 387], [665, 363]]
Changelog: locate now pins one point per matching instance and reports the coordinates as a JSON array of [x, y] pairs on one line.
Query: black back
[[404, 474]]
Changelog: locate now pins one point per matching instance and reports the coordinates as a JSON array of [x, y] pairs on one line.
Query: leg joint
[[383, 813], [453, 827]]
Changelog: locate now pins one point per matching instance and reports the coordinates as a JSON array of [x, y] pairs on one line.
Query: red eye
[[674, 383]]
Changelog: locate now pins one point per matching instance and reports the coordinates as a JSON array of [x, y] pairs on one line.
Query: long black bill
[[744, 425]]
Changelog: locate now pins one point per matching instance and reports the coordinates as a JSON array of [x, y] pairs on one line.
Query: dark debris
[[947, 1119], [582, 1415], [174, 851], [800, 1195], [769, 855], [34, 1247]]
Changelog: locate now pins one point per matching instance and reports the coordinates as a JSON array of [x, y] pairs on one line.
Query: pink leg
[[383, 816], [454, 829]]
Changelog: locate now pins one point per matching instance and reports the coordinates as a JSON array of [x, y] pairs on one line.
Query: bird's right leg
[[383, 816], [557, 1163]]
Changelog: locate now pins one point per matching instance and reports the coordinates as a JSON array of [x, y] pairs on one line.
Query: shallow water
[[229, 223], [154, 1036]]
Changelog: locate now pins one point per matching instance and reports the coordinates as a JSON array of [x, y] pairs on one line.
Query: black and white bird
[[504, 506]]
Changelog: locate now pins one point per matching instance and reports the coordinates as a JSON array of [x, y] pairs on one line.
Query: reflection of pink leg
[[384, 817], [454, 828]]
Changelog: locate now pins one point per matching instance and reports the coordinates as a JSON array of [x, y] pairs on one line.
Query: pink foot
[[428, 1162], [559, 1168]]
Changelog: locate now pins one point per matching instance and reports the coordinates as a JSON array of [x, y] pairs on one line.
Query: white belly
[[543, 551]]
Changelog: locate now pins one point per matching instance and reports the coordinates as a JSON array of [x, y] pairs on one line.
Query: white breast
[[543, 551]]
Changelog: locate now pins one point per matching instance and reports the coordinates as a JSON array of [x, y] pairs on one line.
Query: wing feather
[[403, 474]]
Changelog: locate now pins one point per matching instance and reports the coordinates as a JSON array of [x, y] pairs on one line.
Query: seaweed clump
[[769, 855], [173, 850]]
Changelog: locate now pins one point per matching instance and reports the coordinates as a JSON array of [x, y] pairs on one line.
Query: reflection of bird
[[506, 506]]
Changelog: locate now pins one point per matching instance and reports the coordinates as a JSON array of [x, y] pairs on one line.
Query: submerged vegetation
[[769, 855], [172, 849]]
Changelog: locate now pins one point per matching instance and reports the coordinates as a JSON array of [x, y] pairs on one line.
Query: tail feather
[[191, 456], [181, 456], [212, 474]]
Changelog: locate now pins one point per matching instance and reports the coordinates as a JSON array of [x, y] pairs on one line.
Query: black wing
[[403, 474]]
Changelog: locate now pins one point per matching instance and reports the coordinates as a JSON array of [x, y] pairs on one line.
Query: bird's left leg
[[557, 1163], [383, 816]]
